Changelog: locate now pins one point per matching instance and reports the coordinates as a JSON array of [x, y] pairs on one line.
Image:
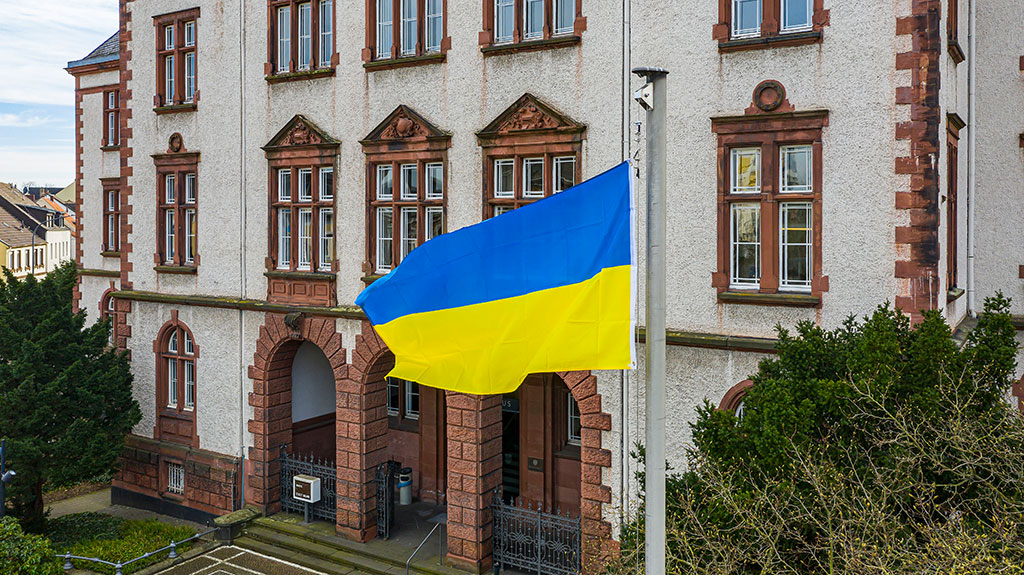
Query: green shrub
[[878, 447], [23, 553], [69, 530], [114, 539]]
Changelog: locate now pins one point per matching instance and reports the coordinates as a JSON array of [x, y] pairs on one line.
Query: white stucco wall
[[313, 389]]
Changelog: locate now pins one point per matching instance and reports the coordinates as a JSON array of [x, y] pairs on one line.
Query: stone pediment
[[299, 132], [404, 124], [529, 114]]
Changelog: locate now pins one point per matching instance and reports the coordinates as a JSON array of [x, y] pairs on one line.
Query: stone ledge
[[392, 63], [766, 42], [775, 299], [303, 75], [531, 45]]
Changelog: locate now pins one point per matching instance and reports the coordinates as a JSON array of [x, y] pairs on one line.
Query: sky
[[37, 97]]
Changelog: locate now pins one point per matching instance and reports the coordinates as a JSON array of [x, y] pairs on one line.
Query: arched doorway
[[313, 397]]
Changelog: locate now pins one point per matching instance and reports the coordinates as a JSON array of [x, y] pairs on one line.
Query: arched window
[[180, 365], [177, 355], [107, 311], [733, 399]]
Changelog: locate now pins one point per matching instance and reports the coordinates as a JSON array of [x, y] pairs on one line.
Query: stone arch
[[271, 423]]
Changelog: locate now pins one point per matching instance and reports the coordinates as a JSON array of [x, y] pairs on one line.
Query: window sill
[[303, 275], [531, 45], [174, 109], [369, 279], [766, 42], [301, 75], [110, 254], [405, 62], [955, 52], [182, 270], [954, 294], [110, 148], [774, 299]]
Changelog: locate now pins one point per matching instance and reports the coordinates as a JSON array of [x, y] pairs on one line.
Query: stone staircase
[[321, 550]]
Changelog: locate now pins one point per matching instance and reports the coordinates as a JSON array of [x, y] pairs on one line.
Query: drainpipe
[[972, 73], [242, 375]]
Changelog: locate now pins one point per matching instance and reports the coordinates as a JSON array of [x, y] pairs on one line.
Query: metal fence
[[292, 465], [119, 566], [386, 479], [535, 540]]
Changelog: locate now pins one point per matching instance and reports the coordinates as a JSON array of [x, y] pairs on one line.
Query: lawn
[[113, 539]]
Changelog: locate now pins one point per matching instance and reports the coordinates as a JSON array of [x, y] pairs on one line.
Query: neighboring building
[[67, 195], [33, 236], [236, 192], [39, 192]]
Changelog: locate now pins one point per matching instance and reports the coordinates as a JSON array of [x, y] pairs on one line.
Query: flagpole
[[652, 98]]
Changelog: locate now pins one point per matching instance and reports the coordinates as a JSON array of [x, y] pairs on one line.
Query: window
[[405, 29], [107, 312], [414, 204], [176, 58], [796, 15], [178, 362], [540, 177], [513, 21], [306, 205], [111, 118], [573, 418], [175, 478], [403, 399], [953, 31], [751, 24], [303, 36], [111, 218], [178, 223], [770, 224], [733, 399], [953, 126], [746, 18]]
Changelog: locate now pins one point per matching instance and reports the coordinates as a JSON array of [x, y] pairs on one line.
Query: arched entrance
[[313, 411]]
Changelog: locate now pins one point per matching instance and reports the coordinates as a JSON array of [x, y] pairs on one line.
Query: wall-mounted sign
[[510, 404]]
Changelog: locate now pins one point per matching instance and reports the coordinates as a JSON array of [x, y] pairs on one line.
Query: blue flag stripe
[[561, 240]]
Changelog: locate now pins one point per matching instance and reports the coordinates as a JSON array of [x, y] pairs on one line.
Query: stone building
[[245, 169]]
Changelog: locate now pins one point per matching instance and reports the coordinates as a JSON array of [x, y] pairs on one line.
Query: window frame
[[111, 216], [953, 126], [111, 119], [379, 54], [549, 36], [771, 31], [322, 59], [296, 204], [176, 345], [183, 168], [171, 60], [402, 415], [771, 133], [400, 203]]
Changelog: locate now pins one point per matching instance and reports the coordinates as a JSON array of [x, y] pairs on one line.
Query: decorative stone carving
[[175, 143], [401, 126], [769, 96], [528, 117], [301, 135]]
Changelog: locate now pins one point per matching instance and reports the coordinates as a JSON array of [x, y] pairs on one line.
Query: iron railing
[[534, 540], [292, 465], [386, 479], [118, 566]]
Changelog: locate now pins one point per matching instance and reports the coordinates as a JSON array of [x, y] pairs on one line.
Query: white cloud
[[39, 38], [24, 120], [44, 165]]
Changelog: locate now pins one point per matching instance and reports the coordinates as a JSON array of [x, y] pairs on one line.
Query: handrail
[[67, 557], [409, 561]]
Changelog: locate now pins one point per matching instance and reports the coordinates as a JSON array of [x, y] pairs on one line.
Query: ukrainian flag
[[547, 287]]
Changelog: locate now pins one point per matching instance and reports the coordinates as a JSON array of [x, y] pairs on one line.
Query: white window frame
[[383, 169], [529, 163], [499, 165], [190, 384], [784, 154], [412, 389], [190, 188], [326, 33], [169, 234], [784, 282], [737, 32], [529, 6], [305, 192], [172, 375], [560, 27], [786, 27], [736, 282], [383, 240], [326, 231], [190, 76], [434, 13], [396, 384], [405, 193], [305, 35], [170, 191], [112, 128], [190, 34], [305, 239], [408, 243], [430, 213], [284, 185], [175, 478], [504, 10], [284, 238], [385, 29], [168, 79], [432, 170], [558, 162], [410, 27], [284, 38], [190, 236], [326, 184], [169, 37], [734, 170], [572, 415]]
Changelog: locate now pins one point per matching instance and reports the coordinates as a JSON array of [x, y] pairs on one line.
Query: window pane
[[412, 400], [504, 20], [326, 33], [435, 24], [410, 190], [284, 38], [326, 239], [305, 37], [305, 185], [746, 17], [533, 178], [169, 189], [533, 25], [498, 210], [168, 80], [384, 27], [384, 238], [284, 185], [435, 223], [504, 178], [746, 171], [172, 342], [394, 395], [190, 384], [573, 418], [746, 245], [564, 173], [190, 76], [190, 34], [384, 184], [435, 181], [169, 235], [326, 184], [168, 37], [284, 237], [176, 478], [408, 230], [565, 16], [190, 188], [796, 168], [796, 14], [409, 37], [190, 236], [189, 346], [172, 382], [795, 245], [305, 238]]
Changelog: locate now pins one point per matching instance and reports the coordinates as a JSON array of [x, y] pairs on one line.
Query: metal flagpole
[[652, 98]]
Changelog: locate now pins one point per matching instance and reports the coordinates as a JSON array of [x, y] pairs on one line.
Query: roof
[[10, 193], [108, 51], [67, 195], [24, 210], [69, 217], [12, 234]]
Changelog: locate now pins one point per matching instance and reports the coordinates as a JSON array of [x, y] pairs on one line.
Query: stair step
[[308, 561], [307, 549]]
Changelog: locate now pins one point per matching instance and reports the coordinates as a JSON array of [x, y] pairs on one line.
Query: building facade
[[36, 236], [245, 169]]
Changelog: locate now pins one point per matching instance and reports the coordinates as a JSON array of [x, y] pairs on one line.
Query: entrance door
[[510, 447]]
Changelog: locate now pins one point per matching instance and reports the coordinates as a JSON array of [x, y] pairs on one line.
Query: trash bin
[[405, 486]]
